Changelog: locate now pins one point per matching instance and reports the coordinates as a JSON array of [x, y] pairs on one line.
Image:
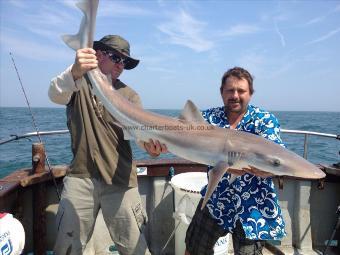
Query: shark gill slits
[[233, 156]]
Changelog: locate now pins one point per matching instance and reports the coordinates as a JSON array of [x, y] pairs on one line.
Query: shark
[[189, 136]]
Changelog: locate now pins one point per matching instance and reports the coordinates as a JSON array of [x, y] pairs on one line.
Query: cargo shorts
[[122, 211], [203, 232]]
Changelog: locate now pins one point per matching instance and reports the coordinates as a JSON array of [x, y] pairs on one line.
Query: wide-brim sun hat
[[119, 45]]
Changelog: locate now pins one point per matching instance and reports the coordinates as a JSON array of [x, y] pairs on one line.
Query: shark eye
[[276, 162]]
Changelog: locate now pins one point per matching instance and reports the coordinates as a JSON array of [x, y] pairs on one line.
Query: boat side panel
[[309, 212]]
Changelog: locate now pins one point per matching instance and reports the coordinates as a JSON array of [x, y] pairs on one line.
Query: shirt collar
[[244, 119]]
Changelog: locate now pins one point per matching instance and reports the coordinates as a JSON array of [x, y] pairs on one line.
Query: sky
[[292, 48]]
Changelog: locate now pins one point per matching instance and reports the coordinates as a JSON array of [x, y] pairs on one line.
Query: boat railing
[[30, 134], [306, 134], [65, 131]]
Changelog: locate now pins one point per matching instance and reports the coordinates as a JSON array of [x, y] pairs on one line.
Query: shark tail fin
[[73, 41], [76, 41], [83, 5]]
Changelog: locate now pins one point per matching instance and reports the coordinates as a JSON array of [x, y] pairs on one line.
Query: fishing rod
[[36, 127]]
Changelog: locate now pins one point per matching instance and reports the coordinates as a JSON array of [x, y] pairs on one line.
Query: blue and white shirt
[[250, 199]]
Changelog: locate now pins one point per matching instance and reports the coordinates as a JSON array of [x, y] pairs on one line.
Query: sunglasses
[[115, 58]]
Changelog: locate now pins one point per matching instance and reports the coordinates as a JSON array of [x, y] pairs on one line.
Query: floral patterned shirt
[[250, 199]]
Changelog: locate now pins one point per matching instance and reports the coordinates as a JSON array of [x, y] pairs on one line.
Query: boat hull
[[308, 208]]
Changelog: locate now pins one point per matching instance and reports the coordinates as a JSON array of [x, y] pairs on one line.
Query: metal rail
[[65, 131], [310, 133], [27, 135], [306, 134]]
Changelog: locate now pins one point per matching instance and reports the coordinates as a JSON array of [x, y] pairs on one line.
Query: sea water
[[17, 154]]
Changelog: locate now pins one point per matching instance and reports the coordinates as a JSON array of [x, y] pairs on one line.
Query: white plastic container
[[187, 187], [12, 235]]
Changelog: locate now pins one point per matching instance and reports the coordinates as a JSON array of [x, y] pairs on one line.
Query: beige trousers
[[122, 211]]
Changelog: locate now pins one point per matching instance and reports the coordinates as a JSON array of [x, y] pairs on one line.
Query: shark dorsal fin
[[191, 113]]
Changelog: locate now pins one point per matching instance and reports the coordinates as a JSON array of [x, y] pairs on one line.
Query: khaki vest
[[98, 144]]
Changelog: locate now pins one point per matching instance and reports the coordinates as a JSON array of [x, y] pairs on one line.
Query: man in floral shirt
[[248, 207]]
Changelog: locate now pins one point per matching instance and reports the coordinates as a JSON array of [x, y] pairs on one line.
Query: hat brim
[[130, 62]]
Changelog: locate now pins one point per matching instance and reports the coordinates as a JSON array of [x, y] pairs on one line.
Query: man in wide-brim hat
[[119, 46], [102, 174]]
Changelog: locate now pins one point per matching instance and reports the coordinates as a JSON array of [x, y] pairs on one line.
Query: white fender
[[12, 235]]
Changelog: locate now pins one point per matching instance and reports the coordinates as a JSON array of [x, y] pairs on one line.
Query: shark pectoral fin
[[232, 178], [215, 176], [191, 113]]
